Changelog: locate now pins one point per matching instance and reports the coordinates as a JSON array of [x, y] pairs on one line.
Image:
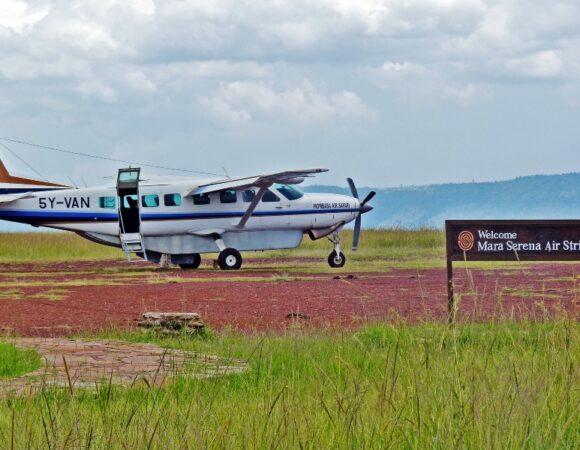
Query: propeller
[[364, 208]]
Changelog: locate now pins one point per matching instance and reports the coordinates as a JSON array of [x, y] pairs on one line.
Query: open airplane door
[[130, 212]]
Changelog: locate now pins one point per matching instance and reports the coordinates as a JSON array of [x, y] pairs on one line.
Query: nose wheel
[[335, 261], [336, 258]]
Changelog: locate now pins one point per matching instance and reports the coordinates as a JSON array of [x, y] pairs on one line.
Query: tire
[[230, 259], [335, 261], [194, 265]]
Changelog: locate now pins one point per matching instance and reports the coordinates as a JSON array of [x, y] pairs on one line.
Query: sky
[[405, 92]]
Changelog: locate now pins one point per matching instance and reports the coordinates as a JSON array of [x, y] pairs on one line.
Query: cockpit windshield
[[290, 192]]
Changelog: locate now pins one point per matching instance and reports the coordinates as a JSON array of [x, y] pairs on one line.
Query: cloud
[[184, 72], [543, 65], [413, 80], [20, 17], [139, 81], [18, 67], [142, 76], [240, 102], [97, 89]]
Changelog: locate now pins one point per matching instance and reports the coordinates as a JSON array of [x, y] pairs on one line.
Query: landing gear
[[230, 259], [194, 264], [336, 259]]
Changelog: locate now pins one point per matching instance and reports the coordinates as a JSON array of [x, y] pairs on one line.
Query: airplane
[[176, 219]]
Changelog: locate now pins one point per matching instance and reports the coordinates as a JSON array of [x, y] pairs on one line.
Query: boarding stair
[[132, 243]]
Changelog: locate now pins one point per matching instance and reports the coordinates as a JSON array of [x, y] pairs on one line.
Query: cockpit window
[[269, 196], [290, 192]]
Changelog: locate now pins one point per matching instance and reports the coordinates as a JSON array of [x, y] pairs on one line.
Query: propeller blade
[[368, 198], [356, 234], [352, 188]]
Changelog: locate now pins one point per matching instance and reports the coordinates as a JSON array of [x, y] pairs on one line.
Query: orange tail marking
[[5, 177]]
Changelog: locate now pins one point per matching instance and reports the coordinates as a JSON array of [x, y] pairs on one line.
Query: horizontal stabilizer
[[6, 178], [9, 198]]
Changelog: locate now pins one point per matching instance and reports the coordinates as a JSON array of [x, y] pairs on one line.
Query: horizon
[[179, 173]]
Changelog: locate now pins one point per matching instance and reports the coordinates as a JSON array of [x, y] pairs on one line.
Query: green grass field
[[15, 362], [496, 385], [386, 244], [428, 386]]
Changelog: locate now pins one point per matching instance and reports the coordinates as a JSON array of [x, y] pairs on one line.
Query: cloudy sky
[[390, 92]]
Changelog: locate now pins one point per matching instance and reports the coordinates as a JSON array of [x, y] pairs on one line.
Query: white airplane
[[179, 218]]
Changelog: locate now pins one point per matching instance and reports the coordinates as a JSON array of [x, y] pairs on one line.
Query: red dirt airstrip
[[62, 299]]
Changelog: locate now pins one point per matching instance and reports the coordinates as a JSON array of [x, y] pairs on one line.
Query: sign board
[[509, 240]]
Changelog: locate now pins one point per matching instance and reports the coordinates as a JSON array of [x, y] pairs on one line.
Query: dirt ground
[[64, 299], [87, 364]]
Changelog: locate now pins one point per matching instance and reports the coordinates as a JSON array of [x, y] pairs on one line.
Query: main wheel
[[230, 259], [335, 260], [194, 264]]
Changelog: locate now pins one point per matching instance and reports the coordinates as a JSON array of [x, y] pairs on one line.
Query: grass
[[15, 362], [499, 385], [382, 244], [494, 385], [47, 247]]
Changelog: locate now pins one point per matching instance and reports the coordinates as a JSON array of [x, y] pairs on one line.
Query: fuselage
[[165, 212]]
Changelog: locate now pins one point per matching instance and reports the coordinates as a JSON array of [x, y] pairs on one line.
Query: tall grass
[[15, 362], [24, 247], [399, 244], [476, 386]]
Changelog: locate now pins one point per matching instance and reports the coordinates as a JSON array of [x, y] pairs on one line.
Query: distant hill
[[530, 197]]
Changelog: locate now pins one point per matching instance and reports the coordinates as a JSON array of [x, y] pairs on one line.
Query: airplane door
[[129, 212], [128, 192]]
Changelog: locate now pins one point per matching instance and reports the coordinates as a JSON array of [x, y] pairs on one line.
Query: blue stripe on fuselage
[[38, 217], [225, 215]]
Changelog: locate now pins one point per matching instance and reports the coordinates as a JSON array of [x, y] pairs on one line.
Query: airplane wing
[[262, 182], [287, 177]]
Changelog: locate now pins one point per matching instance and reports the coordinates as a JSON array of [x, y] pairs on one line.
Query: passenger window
[[201, 199], [229, 196], [150, 201], [249, 195], [108, 202], [172, 199], [269, 196]]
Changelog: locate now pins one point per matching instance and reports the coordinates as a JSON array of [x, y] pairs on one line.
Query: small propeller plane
[[179, 218]]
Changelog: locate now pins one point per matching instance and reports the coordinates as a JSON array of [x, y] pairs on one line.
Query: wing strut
[[252, 207]]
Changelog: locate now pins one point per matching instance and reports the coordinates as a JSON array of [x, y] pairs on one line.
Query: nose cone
[[365, 208]]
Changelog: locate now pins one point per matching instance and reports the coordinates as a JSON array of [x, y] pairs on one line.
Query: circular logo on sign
[[466, 240]]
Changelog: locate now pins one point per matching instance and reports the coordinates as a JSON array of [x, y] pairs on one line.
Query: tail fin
[[5, 177]]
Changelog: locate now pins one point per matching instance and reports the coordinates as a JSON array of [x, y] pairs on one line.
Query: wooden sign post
[[508, 240]]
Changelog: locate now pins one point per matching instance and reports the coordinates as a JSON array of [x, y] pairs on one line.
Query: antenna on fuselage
[[226, 172]]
